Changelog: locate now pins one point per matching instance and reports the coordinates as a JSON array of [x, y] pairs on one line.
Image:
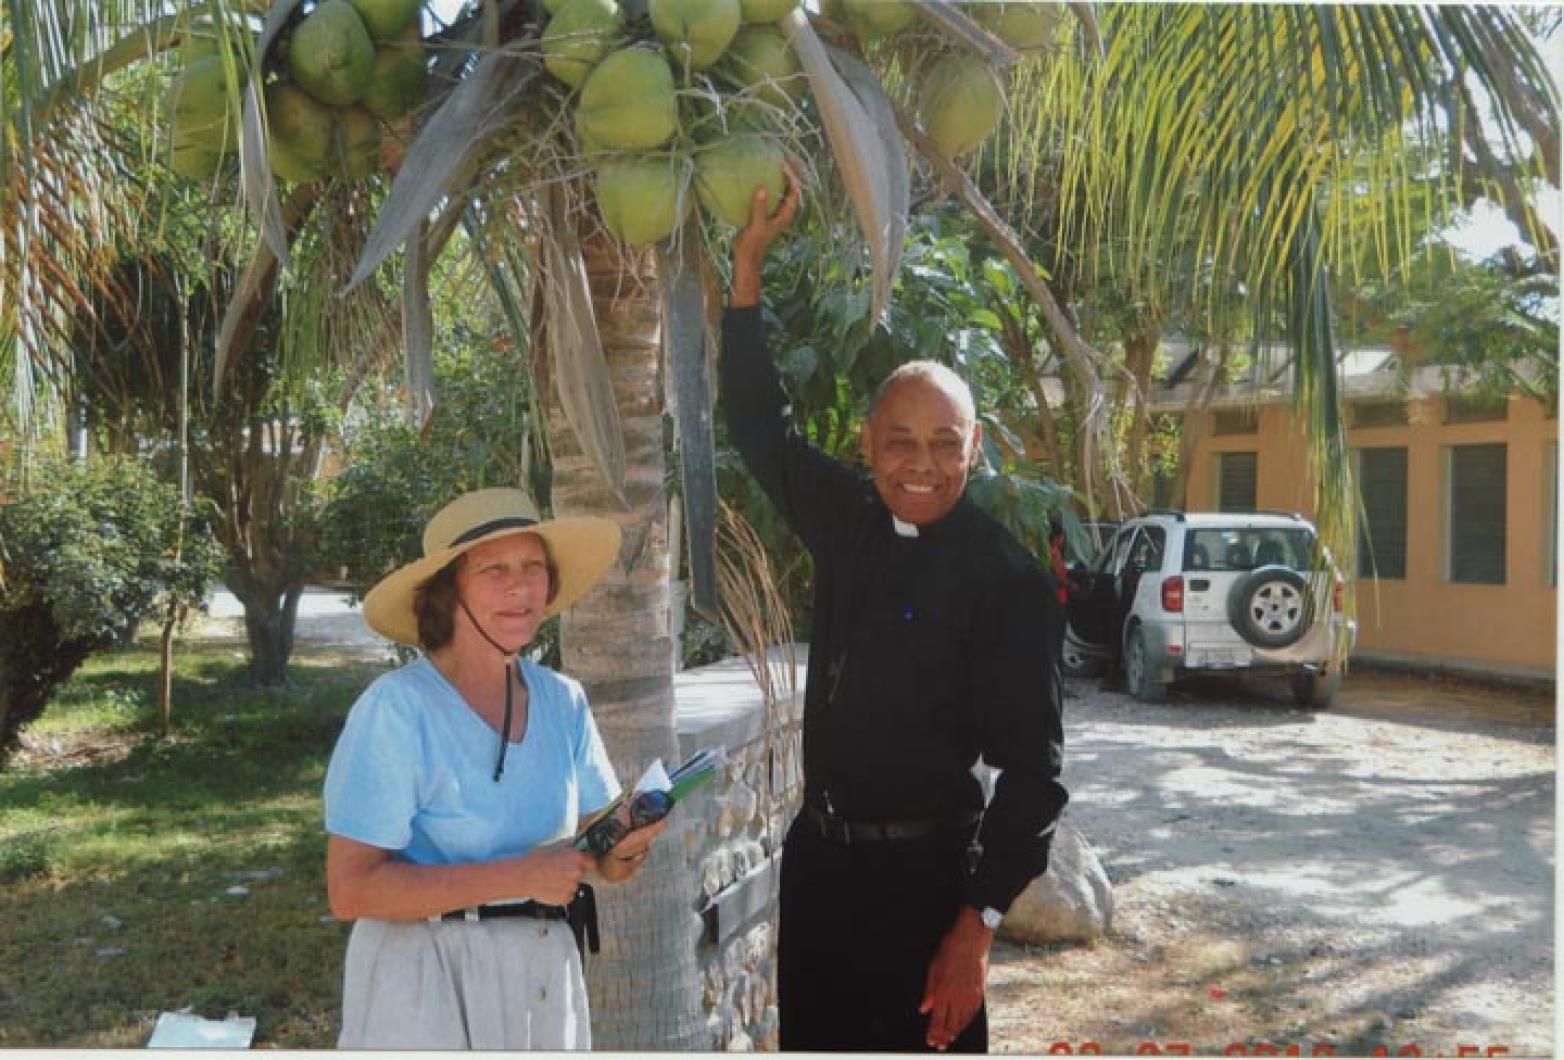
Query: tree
[[143, 371], [1158, 127]]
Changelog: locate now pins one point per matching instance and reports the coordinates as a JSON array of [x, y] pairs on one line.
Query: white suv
[[1176, 592]]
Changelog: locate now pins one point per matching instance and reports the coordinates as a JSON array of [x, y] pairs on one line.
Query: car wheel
[[1141, 675], [1271, 607], [1077, 659], [1314, 689]]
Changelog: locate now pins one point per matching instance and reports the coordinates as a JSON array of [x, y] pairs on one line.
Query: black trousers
[[859, 927]]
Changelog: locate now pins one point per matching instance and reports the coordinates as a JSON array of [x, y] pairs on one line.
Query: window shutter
[[1382, 537], [1477, 496], [1238, 485]]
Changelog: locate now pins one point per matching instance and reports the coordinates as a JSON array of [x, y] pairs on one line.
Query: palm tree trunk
[[643, 984]]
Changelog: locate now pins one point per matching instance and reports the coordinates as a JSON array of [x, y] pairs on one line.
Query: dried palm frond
[[755, 617]]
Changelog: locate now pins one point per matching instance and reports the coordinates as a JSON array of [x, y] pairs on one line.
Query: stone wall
[[733, 853]]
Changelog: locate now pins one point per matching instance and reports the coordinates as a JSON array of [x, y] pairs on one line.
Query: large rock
[[1072, 901]]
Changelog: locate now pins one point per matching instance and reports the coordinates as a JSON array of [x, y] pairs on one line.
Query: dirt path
[[1376, 878]]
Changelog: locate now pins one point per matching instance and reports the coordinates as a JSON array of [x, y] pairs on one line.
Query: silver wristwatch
[[991, 917]]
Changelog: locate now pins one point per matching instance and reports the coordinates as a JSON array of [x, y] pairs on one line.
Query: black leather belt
[[580, 914], [840, 830], [534, 910]]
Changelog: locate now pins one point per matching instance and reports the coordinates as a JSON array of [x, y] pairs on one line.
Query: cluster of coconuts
[[960, 99], [627, 118], [626, 112], [348, 66]]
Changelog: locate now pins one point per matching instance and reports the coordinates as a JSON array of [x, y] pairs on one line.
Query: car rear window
[[1245, 548]]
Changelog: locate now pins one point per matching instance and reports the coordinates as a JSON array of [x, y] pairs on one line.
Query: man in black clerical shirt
[[935, 642]]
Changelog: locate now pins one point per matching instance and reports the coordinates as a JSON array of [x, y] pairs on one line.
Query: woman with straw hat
[[457, 785]]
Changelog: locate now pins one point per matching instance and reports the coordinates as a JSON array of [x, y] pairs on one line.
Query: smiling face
[[506, 584], [919, 443]]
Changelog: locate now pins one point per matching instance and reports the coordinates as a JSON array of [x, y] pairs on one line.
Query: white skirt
[[511, 983]]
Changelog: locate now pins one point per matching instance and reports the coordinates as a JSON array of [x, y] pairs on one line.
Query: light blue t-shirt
[[413, 770]]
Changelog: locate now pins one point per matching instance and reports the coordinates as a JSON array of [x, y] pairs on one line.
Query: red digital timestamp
[[1265, 1048]]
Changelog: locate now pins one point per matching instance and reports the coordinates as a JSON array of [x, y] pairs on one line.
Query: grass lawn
[[123, 853]]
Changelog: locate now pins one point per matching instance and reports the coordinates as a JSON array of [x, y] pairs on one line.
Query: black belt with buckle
[[840, 830], [580, 914], [531, 910]]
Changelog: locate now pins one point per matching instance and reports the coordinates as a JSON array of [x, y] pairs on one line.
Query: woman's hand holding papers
[[625, 859]]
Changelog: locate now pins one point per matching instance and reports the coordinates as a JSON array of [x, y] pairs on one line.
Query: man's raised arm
[[806, 486]]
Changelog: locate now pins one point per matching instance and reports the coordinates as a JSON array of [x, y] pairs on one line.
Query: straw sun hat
[[581, 548]]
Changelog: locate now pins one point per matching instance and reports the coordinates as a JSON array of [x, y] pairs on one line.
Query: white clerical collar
[[903, 529]]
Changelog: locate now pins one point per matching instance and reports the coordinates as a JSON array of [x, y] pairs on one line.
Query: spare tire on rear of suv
[[1271, 607]]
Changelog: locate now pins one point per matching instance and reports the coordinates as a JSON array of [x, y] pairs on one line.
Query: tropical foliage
[[86, 552]]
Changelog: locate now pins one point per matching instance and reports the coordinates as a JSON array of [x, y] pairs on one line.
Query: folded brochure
[[649, 801]]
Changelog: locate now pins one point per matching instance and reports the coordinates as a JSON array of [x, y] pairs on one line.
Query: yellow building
[[1462, 512]]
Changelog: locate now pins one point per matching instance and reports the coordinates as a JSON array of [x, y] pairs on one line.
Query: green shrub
[[86, 551], [24, 856]]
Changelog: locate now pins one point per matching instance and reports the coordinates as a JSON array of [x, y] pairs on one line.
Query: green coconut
[[1023, 24], [643, 197], [400, 79], [960, 103], [195, 161], [199, 41], [299, 124], [878, 18], [387, 18], [286, 165], [695, 32], [331, 55], [756, 11], [627, 102], [198, 108], [579, 36], [355, 143], [728, 172], [761, 61]]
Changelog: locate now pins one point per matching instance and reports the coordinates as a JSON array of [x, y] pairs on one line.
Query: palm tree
[[1241, 130], [617, 642]]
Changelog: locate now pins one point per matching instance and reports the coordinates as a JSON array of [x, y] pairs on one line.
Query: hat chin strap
[[499, 767]]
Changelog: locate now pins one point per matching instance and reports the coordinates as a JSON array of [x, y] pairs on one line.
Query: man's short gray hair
[[933, 373]]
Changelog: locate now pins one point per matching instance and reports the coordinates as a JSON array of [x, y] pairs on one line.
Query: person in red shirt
[[1056, 563]]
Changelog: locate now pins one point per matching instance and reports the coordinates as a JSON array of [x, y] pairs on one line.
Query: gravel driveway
[[1373, 878]]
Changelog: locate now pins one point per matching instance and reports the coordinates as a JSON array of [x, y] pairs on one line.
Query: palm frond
[[691, 399]]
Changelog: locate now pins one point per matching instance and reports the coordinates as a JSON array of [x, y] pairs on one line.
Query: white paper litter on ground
[[181, 1030]]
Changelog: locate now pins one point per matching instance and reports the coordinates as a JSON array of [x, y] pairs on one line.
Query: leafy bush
[[25, 856], [86, 550]]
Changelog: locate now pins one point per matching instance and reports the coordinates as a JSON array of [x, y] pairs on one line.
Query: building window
[[1235, 421], [1379, 414], [1238, 477], [1382, 531], [1477, 497], [1473, 408]]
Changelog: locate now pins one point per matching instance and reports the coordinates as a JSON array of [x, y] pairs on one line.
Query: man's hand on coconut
[[751, 244]]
